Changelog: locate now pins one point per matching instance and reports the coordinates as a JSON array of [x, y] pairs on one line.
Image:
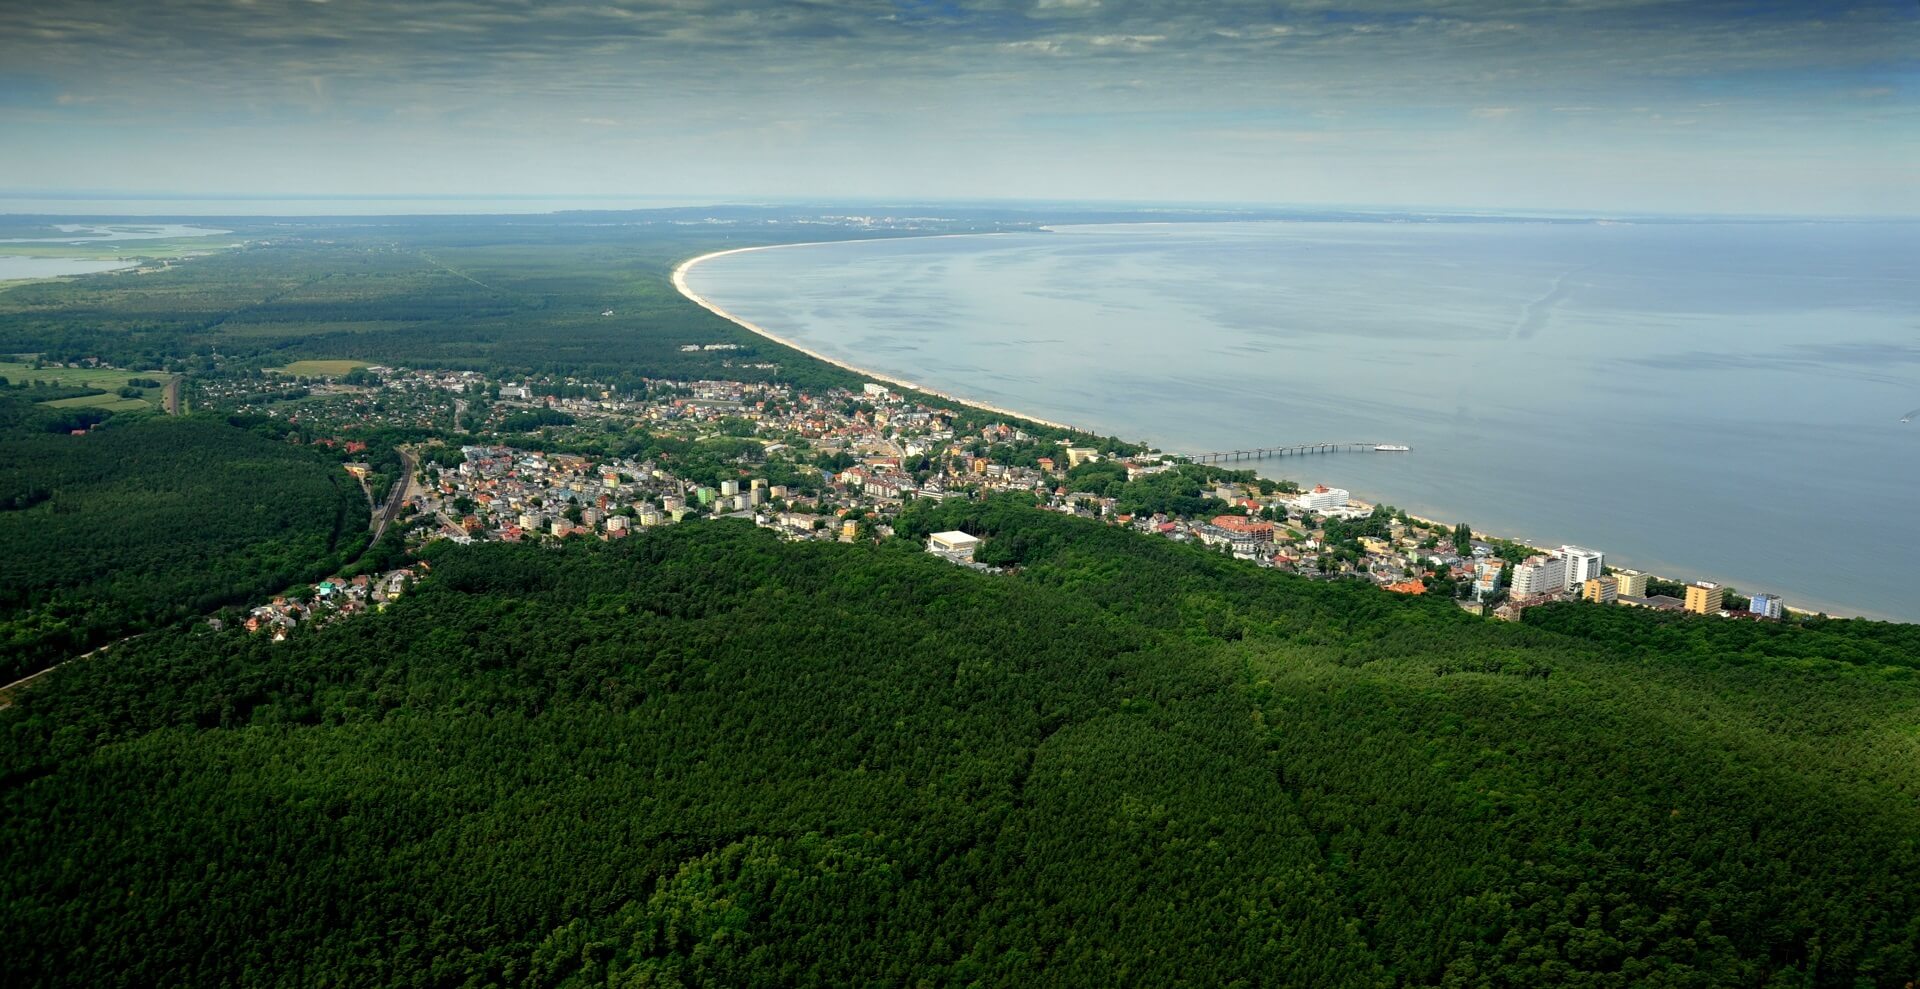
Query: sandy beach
[[680, 285]]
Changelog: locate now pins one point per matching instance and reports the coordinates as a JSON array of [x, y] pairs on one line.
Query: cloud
[[882, 79], [1126, 42], [1041, 46]]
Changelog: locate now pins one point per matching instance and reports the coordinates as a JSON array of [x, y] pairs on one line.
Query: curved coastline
[[680, 285]]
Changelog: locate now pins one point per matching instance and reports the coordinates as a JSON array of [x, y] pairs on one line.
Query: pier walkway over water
[[1262, 453]]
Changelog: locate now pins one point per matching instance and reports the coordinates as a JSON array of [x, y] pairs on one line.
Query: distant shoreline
[[680, 284]]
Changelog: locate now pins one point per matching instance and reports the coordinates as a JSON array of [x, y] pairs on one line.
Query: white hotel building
[[1540, 575], [1322, 498], [1583, 565]]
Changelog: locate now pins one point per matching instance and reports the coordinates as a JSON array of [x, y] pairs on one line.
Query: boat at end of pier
[[1392, 448]]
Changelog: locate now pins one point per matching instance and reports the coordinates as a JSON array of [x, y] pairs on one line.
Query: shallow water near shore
[[16, 267], [1702, 400]]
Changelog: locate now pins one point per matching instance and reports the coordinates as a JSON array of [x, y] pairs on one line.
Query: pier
[[1262, 453]]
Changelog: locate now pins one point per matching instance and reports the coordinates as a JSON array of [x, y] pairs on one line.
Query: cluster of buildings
[[1577, 572], [325, 602], [502, 493], [850, 460], [884, 452], [1290, 531], [418, 400]]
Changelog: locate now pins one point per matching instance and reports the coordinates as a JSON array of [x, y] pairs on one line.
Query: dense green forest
[[512, 294], [146, 520], [705, 757]]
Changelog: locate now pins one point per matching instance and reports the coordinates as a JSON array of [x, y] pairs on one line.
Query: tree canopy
[[701, 756]]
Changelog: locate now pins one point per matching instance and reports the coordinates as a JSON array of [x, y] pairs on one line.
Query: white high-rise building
[[1767, 606], [1540, 575], [1583, 565]]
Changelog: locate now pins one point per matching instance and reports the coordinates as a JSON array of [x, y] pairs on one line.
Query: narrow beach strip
[[680, 285]]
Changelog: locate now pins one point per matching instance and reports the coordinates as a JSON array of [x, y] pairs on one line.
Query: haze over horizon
[[1603, 105]]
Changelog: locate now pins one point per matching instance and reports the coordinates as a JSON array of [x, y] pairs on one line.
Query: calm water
[[327, 205], [13, 267], [1714, 401], [88, 233]]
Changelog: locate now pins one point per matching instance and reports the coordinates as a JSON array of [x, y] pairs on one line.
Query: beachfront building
[[1704, 597], [1767, 606], [1540, 575], [1322, 498], [1244, 527], [1600, 590], [1582, 564], [1486, 576], [1633, 583]]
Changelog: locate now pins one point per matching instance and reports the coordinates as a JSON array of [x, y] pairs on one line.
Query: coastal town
[[557, 459]]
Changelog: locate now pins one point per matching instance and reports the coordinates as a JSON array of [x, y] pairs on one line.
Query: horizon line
[[695, 201]]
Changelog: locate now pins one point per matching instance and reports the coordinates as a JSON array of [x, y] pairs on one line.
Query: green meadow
[[109, 380], [320, 368]]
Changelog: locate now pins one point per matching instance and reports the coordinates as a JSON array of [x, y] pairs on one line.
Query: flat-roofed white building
[[953, 544], [1583, 564], [1540, 575], [1323, 498]]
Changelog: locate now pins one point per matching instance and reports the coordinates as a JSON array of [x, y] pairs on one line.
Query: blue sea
[[1701, 400]]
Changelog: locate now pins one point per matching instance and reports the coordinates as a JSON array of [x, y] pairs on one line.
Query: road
[[396, 498], [170, 398], [8, 692]]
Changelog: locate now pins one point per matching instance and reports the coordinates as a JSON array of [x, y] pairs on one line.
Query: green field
[[320, 368], [107, 379], [109, 402]]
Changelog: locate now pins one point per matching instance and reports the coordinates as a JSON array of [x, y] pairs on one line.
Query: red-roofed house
[[1259, 530]]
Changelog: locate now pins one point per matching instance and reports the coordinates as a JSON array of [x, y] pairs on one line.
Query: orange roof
[[1409, 587]]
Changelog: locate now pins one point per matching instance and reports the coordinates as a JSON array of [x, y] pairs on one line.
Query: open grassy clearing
[[108, 379], [111, 403], [320, 368]]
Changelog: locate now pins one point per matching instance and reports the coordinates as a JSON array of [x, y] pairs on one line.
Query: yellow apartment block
[[1704, 597]]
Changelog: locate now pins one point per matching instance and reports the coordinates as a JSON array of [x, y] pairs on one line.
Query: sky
[[1590, 105]]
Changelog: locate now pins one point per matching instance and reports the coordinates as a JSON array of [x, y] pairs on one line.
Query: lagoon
[[1702, 400], [15, 267]]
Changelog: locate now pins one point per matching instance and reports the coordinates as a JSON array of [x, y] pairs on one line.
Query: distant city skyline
[[1596, 105]]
